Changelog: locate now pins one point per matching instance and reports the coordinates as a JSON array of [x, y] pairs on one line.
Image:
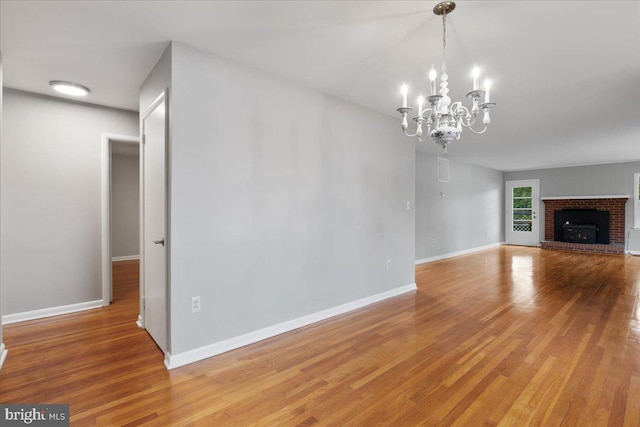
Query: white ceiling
[[566, 73]]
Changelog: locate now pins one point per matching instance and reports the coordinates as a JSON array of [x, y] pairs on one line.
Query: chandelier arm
[[411, 135], [478, 132], [418, 131], [461, 107], [470, 122], [425, 138], [466, 118], [460, 111]]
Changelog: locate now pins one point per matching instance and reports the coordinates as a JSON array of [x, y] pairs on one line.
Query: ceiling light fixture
[[69, 88], [445, 118]]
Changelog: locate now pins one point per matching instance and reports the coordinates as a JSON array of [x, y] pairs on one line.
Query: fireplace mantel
[[619, 196]]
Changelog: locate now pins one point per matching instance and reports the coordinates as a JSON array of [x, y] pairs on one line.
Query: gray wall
[[50, 199], [125, 205], [156, 82], [285, 201], [592, 180], [1, 286], [469, 214]]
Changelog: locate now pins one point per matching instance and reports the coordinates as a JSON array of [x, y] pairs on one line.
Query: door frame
[[163, 97], [508, 207], [636, 200], [108, 139]]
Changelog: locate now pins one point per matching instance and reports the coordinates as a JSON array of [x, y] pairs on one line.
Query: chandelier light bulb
[[475, 73], [432, 80], [487, 89], [432, 74], [404, 89], [420, 102]]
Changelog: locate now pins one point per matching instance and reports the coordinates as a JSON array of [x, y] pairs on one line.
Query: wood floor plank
[[523, 409], [509, 336], [632, 410]]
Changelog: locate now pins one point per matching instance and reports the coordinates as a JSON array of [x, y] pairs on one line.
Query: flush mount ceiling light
[[445, 120], [69, 88]]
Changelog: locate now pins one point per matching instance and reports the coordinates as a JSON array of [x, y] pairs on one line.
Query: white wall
[[125, 205], [285, 201], [592, 180], [469, 215], [50, 199]]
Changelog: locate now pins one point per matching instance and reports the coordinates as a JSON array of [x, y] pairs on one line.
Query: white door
[[523, 203], [154, 261]]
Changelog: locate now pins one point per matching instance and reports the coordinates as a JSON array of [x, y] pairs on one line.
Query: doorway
[[125, 202], [521, 211], [112, 144]]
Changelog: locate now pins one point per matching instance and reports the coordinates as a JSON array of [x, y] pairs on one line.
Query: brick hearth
[[583, 247], [616, 208]]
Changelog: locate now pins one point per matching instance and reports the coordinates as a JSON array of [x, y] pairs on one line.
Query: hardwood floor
[[511, 336]]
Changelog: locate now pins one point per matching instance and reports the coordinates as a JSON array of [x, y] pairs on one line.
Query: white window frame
[[636, 200]]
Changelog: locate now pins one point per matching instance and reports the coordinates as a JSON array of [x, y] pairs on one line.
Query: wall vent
[[443, 169]]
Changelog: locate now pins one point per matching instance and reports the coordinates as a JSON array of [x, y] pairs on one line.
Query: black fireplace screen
[[583, 233], [594, 220]]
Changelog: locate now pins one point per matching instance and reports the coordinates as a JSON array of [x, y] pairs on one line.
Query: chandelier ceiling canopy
[[445, 120]]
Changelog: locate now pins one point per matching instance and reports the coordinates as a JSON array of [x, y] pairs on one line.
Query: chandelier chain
[[444, 42]]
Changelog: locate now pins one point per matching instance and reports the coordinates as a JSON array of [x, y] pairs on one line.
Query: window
[[522, 209], [636, 200]]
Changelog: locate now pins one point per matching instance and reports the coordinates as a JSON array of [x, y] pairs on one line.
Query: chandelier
[[444, 119]]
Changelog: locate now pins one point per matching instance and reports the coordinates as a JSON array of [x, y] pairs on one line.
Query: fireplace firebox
[[579, 233], [586, 225]]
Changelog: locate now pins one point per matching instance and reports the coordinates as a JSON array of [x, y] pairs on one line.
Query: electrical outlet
[[388, 264], [408, 206], [195, 304]]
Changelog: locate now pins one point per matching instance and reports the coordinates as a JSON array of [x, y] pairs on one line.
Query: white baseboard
[[454, 254], [181, 359], [3, 354], [125, 258], [51, 311], [633, 241]]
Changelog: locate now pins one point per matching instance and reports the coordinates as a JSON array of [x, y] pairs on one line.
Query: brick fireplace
[[615, 205]]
